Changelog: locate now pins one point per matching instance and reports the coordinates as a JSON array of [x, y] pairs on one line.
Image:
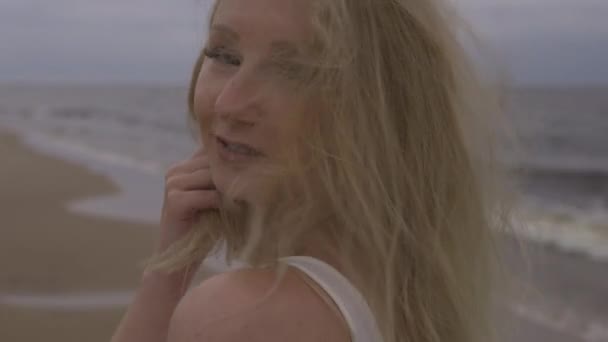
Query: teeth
[[241, 149]]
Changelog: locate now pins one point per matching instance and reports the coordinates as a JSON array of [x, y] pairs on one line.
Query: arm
[[148, 316], [189, 191]]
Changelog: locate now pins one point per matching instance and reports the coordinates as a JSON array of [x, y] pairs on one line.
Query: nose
[[238, 100]]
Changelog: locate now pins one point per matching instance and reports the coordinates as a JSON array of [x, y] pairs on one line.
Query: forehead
[[265, 19]]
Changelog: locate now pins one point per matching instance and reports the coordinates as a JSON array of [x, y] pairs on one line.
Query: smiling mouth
[[239, 150]]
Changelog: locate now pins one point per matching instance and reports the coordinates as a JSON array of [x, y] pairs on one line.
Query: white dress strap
[[353, 307]]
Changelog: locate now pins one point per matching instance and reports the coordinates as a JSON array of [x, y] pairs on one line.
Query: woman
[[340, 161]]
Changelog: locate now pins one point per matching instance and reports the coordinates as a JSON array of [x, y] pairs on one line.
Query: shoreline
[[139, 199], [68, 275], [46, 249], [138, 189]]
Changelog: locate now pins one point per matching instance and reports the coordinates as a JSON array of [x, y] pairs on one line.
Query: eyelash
[[290, 71], [220, 55], [287, 70]]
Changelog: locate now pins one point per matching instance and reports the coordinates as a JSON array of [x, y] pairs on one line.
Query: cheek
[[288, 123]]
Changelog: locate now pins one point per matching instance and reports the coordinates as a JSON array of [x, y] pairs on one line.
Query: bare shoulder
[[238, 306]]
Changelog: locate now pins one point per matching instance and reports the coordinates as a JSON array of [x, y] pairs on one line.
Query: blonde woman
[[340, 162]]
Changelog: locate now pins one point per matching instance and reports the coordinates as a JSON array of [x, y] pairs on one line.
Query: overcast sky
[[540, 41]]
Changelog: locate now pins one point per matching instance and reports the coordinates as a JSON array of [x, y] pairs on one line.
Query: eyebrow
[[283, 49], [280, 49], [226, 31]]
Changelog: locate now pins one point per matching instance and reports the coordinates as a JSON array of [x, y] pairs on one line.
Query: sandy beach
[[68, 277], [46, 250]]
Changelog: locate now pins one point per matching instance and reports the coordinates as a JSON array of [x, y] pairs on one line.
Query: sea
[[134, 132]]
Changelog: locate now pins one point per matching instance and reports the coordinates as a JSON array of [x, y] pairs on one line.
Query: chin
[[241, 182], [231, 184]]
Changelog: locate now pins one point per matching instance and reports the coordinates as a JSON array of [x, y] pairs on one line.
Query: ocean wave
[[65, 147], [581, 230], [82, 149], [570, 229], [124, 118], [565, 166], [83, 112]]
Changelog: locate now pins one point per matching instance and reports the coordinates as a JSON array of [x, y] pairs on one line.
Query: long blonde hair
[[405, 193]]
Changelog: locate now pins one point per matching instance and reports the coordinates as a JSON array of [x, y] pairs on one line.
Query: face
[[246, 95]]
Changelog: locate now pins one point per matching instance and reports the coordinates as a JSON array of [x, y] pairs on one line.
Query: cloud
[[542, 41], [126, 40], [546, 41]]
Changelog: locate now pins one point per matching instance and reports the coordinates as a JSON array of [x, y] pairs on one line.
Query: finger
[[198, 180], [189, 166], [201, 151], [193, 201]]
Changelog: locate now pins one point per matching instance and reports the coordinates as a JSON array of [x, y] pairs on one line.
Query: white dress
[[353, 307]]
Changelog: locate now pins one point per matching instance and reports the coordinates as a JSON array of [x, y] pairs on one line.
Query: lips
[[234, 151]]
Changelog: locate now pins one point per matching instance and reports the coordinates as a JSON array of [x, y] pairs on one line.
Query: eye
[[288, 70], [222, 56]]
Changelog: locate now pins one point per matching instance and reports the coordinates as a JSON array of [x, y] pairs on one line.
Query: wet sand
[[562, 297], [46, 250]]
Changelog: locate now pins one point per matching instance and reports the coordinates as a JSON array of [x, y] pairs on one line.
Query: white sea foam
[[584, 233], [141, 185], [564, 321], [132, 134], [140, 182]]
